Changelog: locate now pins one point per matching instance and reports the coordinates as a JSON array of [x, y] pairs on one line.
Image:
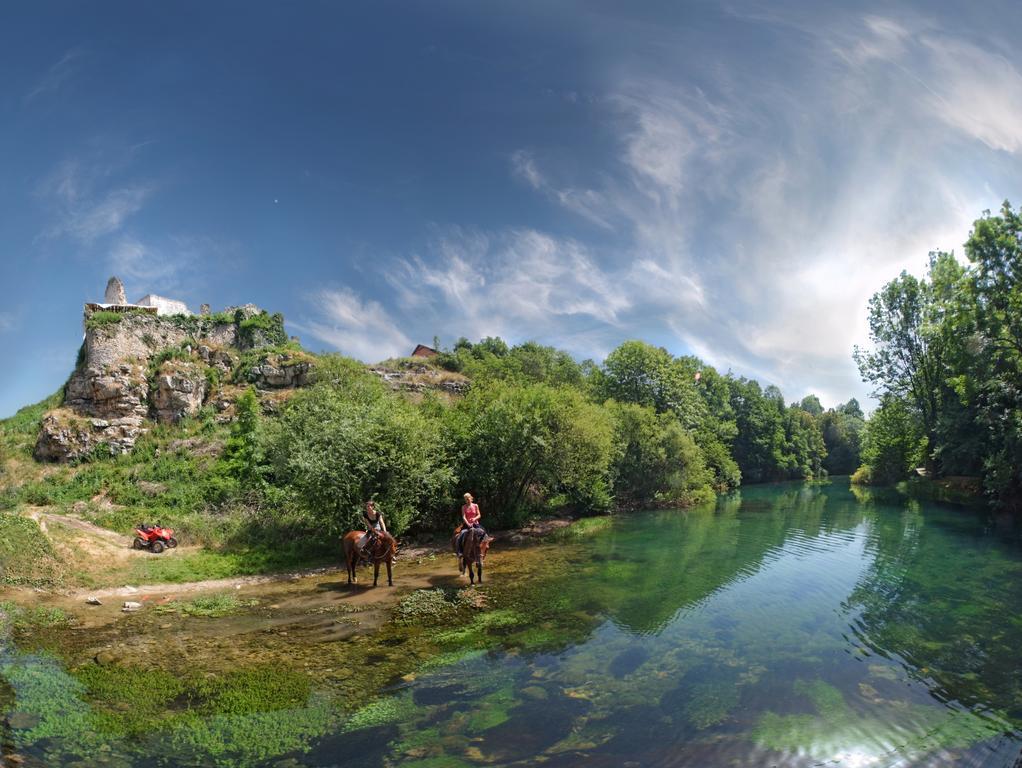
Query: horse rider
[[374, 524], [470, 517]]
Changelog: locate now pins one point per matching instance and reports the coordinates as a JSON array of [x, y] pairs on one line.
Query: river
[[786, 625]]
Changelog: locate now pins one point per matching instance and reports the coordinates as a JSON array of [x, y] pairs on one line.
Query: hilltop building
[[115, 300], [421, 350]]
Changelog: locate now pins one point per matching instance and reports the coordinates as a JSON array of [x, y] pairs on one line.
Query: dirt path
[[76, 523]]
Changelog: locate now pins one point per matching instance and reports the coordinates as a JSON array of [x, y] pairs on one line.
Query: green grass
[[213, 564], [102, 319], [26, 619], [26, 556], [587, 526], [209, 606]]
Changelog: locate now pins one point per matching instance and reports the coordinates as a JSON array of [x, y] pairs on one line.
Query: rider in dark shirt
[[374, 524]]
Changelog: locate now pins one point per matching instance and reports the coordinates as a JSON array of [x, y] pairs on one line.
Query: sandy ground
[[419, 566]]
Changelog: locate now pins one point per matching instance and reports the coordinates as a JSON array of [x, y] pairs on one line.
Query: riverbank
[[300, 653]]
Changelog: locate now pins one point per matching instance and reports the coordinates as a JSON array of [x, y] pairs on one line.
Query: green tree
[[337, 447], [517, 446], [811, 405], [759, 446], [893, 443], [908, 359], [243, 451], [655, 458], [842, 429]]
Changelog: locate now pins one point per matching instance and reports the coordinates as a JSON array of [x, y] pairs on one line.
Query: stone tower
[[115, 292]]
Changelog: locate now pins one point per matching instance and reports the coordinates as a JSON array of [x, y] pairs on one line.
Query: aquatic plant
[[210, 606]]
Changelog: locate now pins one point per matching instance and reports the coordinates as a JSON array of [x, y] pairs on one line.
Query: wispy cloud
[[7, 322], [56, 75], [587, 203], [747, 213], [360, 329], [174, 264], [85, 206]]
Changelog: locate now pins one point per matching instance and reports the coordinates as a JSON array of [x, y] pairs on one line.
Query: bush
[[518, 446], [656, 459], [338, 447], [261, 330], [102, 319]]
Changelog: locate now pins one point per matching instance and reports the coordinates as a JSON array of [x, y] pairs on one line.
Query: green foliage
[[514, 445], [248, 360], [262, 329], [529, 362], [842, 429], [949, 349], [892, 445], [656, 459], [243, 451], [338, 447], [208, 606]]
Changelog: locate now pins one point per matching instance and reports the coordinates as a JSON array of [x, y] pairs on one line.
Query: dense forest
[[946, 362]]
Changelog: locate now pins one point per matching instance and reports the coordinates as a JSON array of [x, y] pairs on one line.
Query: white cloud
[[361, 329], [764, 212], [750, 212], [135, 261], [976, 91], [7, 322]]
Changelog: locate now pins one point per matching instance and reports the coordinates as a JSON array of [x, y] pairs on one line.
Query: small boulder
[[93, 601], [130, 606]]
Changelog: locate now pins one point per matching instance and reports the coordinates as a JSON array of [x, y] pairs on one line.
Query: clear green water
[[789, 625]]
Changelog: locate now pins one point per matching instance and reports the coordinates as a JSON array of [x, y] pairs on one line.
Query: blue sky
[[731, 180]]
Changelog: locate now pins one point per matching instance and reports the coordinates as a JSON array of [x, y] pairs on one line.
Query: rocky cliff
[[137, 367]]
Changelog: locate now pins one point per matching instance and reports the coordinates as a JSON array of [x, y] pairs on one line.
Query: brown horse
[[382, 549], [473, 551]]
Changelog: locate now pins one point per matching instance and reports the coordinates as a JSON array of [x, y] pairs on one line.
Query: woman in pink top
[[470, 517]]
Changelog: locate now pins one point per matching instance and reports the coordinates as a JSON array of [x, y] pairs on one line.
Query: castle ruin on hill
[[156, 361]]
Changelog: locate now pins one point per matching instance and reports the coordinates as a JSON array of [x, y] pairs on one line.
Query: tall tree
[[907, 360]]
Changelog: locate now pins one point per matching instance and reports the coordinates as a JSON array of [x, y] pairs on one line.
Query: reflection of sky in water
[[792, 629]]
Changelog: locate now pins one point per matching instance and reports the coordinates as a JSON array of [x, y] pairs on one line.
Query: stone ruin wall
[[141, 336]]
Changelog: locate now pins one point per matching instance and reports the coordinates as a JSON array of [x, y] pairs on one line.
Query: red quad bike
[[153, 537]]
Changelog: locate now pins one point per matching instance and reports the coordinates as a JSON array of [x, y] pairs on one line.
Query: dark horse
[[381, 549], [473, 551]]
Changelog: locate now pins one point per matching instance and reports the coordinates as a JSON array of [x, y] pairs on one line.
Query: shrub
[[337, 447], [518, 445], [102, 319]]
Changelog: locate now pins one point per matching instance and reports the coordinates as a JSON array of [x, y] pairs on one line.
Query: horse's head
[[385, 546]]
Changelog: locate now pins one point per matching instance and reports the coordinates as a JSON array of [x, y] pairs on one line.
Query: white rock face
[[179, 392], [164, 306], [115, 292]]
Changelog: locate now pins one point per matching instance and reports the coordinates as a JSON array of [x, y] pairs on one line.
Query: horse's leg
[[376, 572], [479, 565], [390, 577]]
